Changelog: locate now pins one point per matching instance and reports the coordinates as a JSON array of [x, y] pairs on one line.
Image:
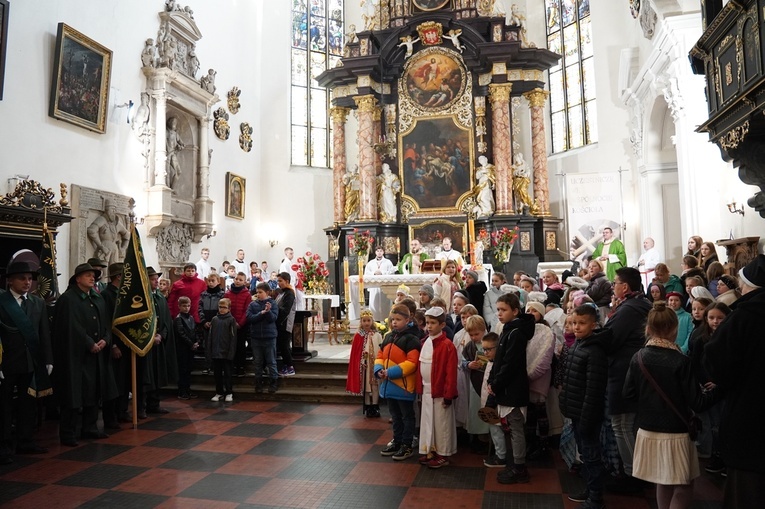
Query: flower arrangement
[[312, 272], [484, 237], [503, 240], [361, 242]]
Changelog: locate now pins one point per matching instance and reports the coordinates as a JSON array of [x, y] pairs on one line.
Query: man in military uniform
[[83, 376], [27, 360]]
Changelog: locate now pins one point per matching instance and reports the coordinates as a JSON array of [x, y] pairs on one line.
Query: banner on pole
[[594, 201], [135, 321]]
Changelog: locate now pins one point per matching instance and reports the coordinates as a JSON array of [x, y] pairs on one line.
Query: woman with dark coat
[[285, 299]]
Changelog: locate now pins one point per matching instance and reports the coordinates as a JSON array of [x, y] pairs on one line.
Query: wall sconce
[[212, 234], [129, 105], [733, 209], [273, 243]]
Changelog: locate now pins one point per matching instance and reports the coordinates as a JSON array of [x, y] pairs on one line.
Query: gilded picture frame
[[4, 8], [80, 85], [436, 166], [430, 5], [432, 232], [235, 195]]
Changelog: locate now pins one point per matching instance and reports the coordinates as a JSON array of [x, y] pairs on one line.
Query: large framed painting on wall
[[434, 79], [436, 168], [80, 86], [235, 194]]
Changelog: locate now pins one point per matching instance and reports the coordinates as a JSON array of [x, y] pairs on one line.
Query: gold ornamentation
[[339, 114], [407, 209], [391, 245], [480, 123], [365, 103], [536, 97], [431, 33], [525, 241], [63, 201], [220, 124], [233, 100], [499, 68], [551, 241], [733, 138], [377, 114], [728, 73], [500, 92], [245, 139], [30, 194]]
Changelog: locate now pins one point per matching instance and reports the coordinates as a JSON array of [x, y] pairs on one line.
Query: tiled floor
[[254, 454]]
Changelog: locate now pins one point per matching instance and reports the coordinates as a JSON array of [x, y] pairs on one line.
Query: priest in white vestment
[[379, 266], [447, 253], [647, 262]]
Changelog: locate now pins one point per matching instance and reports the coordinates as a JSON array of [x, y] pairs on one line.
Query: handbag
[[693, 423]]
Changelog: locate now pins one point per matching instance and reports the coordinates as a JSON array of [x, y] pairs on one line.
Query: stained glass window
[[317, 45], [572, 79]]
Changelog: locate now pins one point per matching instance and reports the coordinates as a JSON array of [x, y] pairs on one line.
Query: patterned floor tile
[[353, 496], [231, 416], [292, 493], [46, 472], [321, 420], [253, 430], [142, 456], [134, 437], [208, 427], [102, 476], [10, 490], [317, 470], [282, 418], [197, 503], [232, 445], [354, 436], [164, 424], [449, 477], [258, 466], [160, 481], [334, 451], [329, 409], [93, 452], [442, 497], [289, 448], [199, 461], [115, 499], [225, 487], [55, 496], [389, 473], [295, 407], [179, 441], [542, 481], [494, 500]]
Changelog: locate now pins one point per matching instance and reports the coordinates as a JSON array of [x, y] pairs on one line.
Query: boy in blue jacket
[[261, 318]]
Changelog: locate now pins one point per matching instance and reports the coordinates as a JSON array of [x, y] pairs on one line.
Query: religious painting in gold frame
[[80, 86], [434, 79], [235, 195], [432, 232], [430, 5], [436, 167]]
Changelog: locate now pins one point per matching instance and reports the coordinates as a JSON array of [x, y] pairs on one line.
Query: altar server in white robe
[[437, 382], [379, 266], [447, 253]]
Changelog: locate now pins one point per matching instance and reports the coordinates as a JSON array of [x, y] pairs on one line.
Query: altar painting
[[436, 166], [434, 79], [431, 234]]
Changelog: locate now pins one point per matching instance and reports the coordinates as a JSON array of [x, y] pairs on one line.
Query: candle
[[346, 281], [361, 283], [471, 240]]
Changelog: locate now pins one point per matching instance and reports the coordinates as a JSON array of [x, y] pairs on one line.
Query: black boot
[[374, 411]]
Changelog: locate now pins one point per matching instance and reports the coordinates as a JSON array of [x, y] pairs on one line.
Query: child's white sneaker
[[229, 398], [216, 398]]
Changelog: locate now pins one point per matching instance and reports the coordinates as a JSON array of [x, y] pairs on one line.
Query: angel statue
[[521, 181], [370, 13], [454, 36], [518, 19], [388, 186], [352, 185], [409, 43], [484, 198]]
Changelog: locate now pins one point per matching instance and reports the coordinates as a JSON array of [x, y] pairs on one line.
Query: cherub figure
[[409, 43], [454, 36], [147, 55], [207, 82]]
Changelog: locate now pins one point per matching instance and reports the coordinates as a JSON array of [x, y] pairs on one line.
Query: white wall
[[246, 42]]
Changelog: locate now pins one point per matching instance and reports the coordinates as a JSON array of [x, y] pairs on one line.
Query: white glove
[[49, 367]]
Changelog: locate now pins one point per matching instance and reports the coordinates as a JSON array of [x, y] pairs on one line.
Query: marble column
[[339, 116], [502, 143], [537, 99], [160, 137], [377, 119], [367, 192], [203, 186]]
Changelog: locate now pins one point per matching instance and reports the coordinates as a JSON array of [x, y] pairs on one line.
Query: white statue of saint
[[484, 196], [409, 43], [388, 186]]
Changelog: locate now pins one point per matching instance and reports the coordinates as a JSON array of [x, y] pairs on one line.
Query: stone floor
[[257, 454]]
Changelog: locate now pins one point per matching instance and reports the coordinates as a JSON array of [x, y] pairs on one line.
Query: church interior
[[336, 127]]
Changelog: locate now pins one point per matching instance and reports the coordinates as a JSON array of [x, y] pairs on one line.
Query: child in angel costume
[[361, 379]]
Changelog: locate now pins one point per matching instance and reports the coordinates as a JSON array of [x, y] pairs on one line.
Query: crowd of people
[[616, 374], [73, 356]]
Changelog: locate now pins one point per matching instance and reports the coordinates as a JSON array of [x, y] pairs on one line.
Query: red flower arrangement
[[360, 242], [312, 271], [503, 240]]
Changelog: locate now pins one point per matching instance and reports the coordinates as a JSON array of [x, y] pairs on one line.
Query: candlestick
[[361, 283], [471, 240], [346, 281]]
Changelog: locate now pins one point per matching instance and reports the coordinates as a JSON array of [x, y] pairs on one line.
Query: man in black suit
[[27, 360]]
